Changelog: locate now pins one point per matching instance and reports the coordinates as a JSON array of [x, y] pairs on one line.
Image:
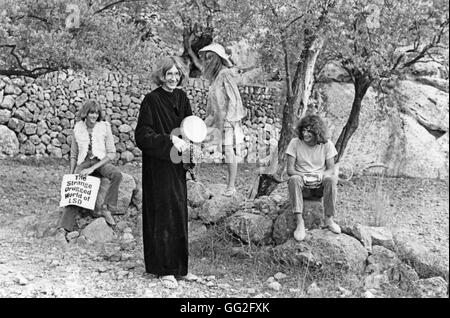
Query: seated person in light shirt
[[310, 167], [91, 152]]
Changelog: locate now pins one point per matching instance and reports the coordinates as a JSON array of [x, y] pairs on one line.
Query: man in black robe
[[164, 208]]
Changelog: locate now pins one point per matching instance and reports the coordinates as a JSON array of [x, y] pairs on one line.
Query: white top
[[310, 159]]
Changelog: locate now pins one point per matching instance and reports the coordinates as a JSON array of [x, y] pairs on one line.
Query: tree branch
[[22, 70], [287, 68], [47, 23], [216, 7], [113, 4], [292, 22], [436, 40], [34, 73], [14, 54]]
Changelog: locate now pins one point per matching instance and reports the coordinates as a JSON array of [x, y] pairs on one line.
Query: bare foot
[[300, 233], [190, 277], [229, 192], [169, 281], [332, 226]]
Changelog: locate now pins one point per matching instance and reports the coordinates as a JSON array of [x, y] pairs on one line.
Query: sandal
[[190, 277], [169, 281], [229, 192]]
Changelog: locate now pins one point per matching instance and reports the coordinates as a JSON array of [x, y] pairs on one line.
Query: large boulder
[[98, 231], [425, 263], [197, 193], [286, 222], [9, 144], [405, 139], [326, 251], [126, 190], [423, 156], [371, 235], [439, 83], [250, 227], [197, 230], [219, 206]]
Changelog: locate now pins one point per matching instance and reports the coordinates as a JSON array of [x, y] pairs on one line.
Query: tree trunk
[[306, 79], [294, 108], [195, 38], [361, 84]]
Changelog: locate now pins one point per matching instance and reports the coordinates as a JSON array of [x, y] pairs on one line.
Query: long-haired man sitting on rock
[[92, 151], [310, 167]]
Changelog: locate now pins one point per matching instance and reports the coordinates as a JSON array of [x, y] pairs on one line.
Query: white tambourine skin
[[194, 128]]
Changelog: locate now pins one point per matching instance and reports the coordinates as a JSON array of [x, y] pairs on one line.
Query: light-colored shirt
[[224, 100], [109, 144], [310, 159]]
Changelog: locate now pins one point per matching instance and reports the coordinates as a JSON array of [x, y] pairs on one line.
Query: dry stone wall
[[407, 138], [42, 112]]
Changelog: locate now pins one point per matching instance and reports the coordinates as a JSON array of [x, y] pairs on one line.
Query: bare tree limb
[[287, 68], [21, 70], [47, 23], [435, 41], [113, 4], [292, 22], [34, 73], [14, 54]]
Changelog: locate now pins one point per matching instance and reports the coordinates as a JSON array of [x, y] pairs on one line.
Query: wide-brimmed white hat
[[219, 50]]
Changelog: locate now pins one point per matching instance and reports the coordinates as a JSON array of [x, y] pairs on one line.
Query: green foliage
[[381, 39], [34, 39], [269, 25]]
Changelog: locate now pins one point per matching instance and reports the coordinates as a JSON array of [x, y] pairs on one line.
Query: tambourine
[[194, 129]]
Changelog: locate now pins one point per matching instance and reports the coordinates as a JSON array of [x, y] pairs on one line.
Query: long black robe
[[164, 193]]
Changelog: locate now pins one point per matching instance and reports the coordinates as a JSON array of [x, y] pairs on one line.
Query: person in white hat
[[224, 110]]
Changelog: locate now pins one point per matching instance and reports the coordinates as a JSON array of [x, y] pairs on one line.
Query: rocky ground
[[48, 266]]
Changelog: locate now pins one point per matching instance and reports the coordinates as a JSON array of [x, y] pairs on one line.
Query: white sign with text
[[80, 191]]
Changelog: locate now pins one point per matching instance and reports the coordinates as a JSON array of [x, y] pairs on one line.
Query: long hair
[[214, 66], [317, 127], [91, 106], [159, 75]]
